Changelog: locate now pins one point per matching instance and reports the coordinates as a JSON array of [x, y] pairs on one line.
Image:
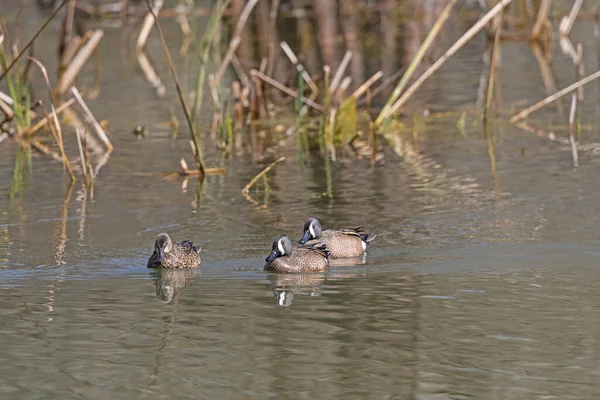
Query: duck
[[182, 254], [284, 257], [345, 242]]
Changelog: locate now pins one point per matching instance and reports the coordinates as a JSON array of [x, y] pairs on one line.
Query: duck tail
[[367, 237]]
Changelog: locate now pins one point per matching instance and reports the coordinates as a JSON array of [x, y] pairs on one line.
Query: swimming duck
[[181, 255], [307, 258], [340, 243]]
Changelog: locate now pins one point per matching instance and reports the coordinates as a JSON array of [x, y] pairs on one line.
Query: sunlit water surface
[[481, 283]]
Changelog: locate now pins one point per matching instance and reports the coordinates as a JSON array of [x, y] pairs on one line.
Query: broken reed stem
[[236, 39], [523, 114], [44, 120], [285, 89], [299, 67], [416, 61], [493, 66], [147, 26], [566, 24], [260, 174], [466, 37], [384, 84], [365, 86], [16, 59], [337, 78], [57, 135], [540, 20], [92, 120], [186, 111], [81, 155], [572, 131], [67, 78]]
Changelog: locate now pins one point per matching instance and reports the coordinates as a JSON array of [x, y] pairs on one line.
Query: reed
[[525, 113], [464, 39], [493, 67], [188, 117], [205, 43], [416, 61], [35, 36], [236, 39], [246, 188]]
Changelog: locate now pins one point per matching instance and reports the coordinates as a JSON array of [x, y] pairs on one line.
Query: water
[[481, 283]]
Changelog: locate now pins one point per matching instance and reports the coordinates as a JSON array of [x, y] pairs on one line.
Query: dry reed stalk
[[337, 78], [147, 68], [493, 66], [580, 71], [81, 155], [55, 128], [299, 67], [6, 98], [185, 171], [44, 121], [260, 174], [416, 61], [572, 131], [466, 37], [186, 111], [7, 110], [341, 91], [99, 131], [67, 78], [150, 74], [72, 48], [57, 135], [285, 89], [384, 84], [16, 59], [523, 114], [365, 86], [541, 20], [566, 24], [147, 25], [270, 65], [236, 38], [239, 71]]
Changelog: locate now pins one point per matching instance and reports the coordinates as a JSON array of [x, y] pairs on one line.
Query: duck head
[[312, 230], [282, 246], [162, 246]]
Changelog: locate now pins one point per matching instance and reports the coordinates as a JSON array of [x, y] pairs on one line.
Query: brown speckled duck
[[340, 243], [285, 258], [180, 255]]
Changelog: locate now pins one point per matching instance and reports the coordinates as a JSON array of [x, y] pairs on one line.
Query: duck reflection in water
[[286, 286], [169, 282]]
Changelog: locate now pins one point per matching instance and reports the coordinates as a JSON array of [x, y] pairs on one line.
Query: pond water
[[482, 283]]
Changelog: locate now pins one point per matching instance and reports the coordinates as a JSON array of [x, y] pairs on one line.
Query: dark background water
[[482, 283]]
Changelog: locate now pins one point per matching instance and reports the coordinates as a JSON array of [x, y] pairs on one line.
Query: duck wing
[[359, 232], [318, 247], [188, 246]]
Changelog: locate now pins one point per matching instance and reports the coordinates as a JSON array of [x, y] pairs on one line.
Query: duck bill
[[161, 255], [274, 254], [305, 238]]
